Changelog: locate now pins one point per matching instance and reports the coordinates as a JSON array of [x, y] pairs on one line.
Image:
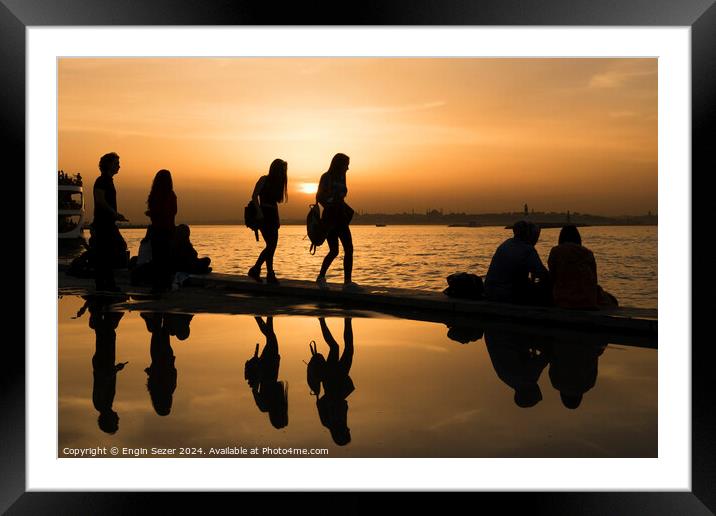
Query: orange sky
[[473, 135]]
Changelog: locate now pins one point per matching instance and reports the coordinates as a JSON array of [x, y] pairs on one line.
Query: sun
[[308, 188]]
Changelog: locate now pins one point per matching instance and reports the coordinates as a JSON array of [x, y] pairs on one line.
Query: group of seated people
[[184, 258], [517, 275]]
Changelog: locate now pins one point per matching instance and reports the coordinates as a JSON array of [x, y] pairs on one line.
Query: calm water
[[417, 391], [423, 256]]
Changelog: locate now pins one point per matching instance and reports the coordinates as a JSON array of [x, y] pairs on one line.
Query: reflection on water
[[387, 388]]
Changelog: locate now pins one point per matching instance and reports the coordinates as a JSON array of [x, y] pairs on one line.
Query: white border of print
[[671, 470]]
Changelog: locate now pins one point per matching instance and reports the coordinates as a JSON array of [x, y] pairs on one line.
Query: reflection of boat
[[70, 207]]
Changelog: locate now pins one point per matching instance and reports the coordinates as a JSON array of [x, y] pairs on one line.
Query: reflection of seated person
[[178, 325], [261, 372], [464, 333], [186, 258], [104, 370], [337, 384], [573, 368], [161, 373], [518, 361]]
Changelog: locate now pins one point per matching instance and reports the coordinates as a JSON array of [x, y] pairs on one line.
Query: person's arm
[[535, 266], [100, 201], [255, 196]]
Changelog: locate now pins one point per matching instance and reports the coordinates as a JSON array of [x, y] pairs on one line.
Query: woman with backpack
[[270, 190], [337, 215]]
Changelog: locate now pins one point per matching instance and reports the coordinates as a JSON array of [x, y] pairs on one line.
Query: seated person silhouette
[[573, 271], [140, 266], [186, 258], [516, 273], [573, 368], [261, 372], [518, 361], [161, 373], [104, 370], [333, 373]]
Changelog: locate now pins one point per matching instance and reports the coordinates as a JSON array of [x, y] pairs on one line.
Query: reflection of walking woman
[[270, 190], [162, 209], [331, 194], [270, 394], [337, 384]]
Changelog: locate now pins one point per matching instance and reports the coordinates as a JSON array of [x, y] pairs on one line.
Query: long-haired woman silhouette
[[331, 194], [270, 190], [162, 210]]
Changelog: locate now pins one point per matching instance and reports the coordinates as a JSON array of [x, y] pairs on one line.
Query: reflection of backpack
[[315, 228], [315, 369], [464, 285]]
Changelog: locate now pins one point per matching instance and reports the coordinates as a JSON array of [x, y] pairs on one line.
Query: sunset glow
[[308, 188], [463, 135]]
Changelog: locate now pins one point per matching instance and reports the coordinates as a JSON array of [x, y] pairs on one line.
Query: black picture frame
[[699, 15]]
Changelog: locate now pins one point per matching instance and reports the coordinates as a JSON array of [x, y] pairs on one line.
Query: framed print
[[417, 402]]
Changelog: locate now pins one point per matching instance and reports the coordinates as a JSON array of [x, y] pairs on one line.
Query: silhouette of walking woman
[[162, 209], [337, 215], [270, 190], [261, 372]]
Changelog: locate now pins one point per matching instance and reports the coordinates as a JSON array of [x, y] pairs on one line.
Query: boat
[[70, 207], [380, 225]]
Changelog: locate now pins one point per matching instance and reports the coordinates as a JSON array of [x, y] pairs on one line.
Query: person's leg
[[332, 240], [104, 278], [262, 256], [271, 244], [346, 238]]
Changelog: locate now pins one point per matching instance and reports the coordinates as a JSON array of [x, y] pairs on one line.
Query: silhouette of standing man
[[105, 234]]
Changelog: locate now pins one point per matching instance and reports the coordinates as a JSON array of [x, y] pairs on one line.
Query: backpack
[[251, 220], [464, 285], [315, 228]]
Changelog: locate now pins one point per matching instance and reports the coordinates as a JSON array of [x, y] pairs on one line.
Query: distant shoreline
[[297, 223]]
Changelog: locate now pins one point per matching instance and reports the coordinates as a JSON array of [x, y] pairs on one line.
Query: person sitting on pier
[[516, 273], [186, 258], [573, 271]]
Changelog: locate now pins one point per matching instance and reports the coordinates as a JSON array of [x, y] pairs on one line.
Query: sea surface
[[422, 257], [138, 380]]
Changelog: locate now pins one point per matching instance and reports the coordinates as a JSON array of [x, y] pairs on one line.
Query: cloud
[[616, 78]]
